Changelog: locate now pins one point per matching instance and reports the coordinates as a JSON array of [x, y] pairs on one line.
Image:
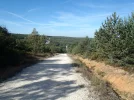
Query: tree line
[[14, 48], [113, 42]]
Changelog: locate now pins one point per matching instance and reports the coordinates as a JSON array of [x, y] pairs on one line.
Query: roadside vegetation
[[15, 52], [101, 88], [20, 50], [113, 42]]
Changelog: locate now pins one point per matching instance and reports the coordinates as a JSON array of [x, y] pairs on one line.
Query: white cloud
[[57, 24], [10, 22], [66, 23], [16, 15], [33, 9], [67, 1], [30, 10], [105, 6], [90, 5], [79, 20], [27, 20]]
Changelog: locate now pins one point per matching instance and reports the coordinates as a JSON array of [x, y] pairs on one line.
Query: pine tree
[[108, 37]]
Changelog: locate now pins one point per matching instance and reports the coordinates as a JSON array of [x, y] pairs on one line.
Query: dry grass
[[120, 80], [102, 88], [100, 73]]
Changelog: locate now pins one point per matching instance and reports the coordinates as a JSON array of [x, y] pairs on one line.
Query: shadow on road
[[40, 83]]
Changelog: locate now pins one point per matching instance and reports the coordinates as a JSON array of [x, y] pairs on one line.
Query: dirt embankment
[[121, 81]]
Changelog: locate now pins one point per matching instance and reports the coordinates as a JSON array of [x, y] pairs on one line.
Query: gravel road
[[52, 79]]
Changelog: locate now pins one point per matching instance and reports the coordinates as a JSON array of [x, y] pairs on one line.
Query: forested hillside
[[14, 47], [62, 42], [57, 43], [113, 42], [20, 50]]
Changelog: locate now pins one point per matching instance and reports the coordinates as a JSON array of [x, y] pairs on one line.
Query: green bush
[[129, 60], [113, 42]]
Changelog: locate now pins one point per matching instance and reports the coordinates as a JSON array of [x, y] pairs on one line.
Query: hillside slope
[[119, 79]]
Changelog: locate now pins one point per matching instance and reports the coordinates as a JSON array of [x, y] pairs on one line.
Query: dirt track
[[52, 79]]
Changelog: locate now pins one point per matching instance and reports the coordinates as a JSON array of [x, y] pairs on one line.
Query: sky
[[74, 18]]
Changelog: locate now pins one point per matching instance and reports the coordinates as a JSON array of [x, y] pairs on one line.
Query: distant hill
[[64, 40], [19, 36], [57, 40]]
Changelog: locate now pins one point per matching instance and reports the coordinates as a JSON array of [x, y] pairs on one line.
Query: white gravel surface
[[52, 79]]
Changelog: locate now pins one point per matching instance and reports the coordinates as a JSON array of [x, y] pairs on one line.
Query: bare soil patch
[[120, 80]]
